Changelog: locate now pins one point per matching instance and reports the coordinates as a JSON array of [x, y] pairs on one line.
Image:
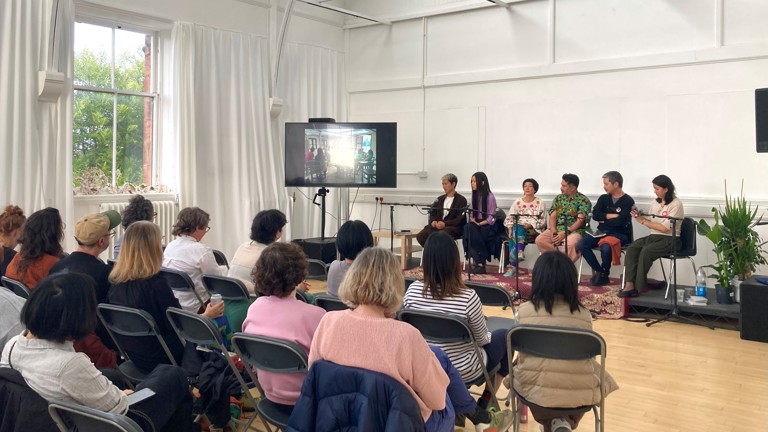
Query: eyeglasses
[[208, 228]]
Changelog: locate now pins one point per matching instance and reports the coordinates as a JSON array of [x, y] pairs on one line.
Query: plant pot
[[724, 295]]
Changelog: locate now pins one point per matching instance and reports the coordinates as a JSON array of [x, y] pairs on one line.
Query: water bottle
[[701, 282], [222, 322]]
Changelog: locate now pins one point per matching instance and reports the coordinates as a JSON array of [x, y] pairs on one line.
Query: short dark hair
[[41, 234], [138, 209], [279, 269], [189, 220], [553, 274], [614, 177], [266, 224], [352, 238], [571, 179], [61, 307], [662, 181], [533, 182], [442, 267]]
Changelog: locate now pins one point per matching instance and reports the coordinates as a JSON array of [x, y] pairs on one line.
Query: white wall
[[585, 86]]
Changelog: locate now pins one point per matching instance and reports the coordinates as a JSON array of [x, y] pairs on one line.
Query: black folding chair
[[316, 269], [446, 328], [17, 287], [330, 302], [138, 326], [687, 250], [408, 281], [221, 259], [229, 288], [180, 281], [494, 295], [271, 355], [560, 343], [71, 417]]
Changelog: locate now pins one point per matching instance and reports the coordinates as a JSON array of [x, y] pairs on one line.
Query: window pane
[[93, 55], [134, 139], [92, 132], [133, 61]]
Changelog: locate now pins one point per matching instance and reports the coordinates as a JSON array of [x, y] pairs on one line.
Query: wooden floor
[[676, 377]]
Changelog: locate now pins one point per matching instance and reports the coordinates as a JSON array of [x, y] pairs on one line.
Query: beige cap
[[89, 229]]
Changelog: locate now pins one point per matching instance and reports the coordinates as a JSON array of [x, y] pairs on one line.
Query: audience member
[[447, 213], [352, 238], [185, 253], [642, 252], [478, 232], [612, 212], [40, 247], [267, 227], [11, 221], [530, 222], [568, 218], [10, 308], [557, 383], [62, 309], [138, 209], [279, 314]]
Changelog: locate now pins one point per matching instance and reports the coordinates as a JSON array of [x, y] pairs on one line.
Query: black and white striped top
[[466, 305]]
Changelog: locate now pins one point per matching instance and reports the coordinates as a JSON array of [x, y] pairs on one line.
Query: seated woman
[[478, 231], [278, 313], [643, 252], [367, 337], [529, 224], [571, 383], [266, 228], [138, 209], [63, 308], [11, 221], [352, 238], [443, 290], [40, 247]]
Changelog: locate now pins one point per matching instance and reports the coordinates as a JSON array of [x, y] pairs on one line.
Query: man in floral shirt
[[568, 217]]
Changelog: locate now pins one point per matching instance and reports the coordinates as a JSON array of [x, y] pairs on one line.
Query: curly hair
[[189, 220], [42, 234], [280, 268], [11, 219], [138, 209]]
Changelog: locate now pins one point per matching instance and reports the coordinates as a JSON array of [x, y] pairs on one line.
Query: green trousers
[[642, 253]]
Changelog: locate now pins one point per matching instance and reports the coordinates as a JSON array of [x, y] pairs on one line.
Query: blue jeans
[[457, 400], [587, 243]]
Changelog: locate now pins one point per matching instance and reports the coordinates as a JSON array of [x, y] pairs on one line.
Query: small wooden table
[[406, 243]]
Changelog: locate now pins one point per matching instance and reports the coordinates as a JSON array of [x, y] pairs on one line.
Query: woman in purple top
[[478, 232]]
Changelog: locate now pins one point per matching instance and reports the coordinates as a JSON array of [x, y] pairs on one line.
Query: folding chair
[[494, 295], [229, 288], [221, 259], [21, 408], [17, 287], [200, 330], [330, 302], [561, 343], [446, 328], [316, 269], [687, 249], [301, 295], [180, 281], [408, 281], [71, 417], [124, 323], [271, 355]]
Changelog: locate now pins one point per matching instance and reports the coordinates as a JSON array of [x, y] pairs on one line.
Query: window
[[114, 104]]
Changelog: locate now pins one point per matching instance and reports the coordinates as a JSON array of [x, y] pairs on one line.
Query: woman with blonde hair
[[11, 221]]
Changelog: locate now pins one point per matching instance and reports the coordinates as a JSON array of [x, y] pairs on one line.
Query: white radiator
[[167, 212]]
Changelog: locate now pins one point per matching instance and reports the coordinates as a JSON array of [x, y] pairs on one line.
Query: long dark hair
[[442, 267], [554, 273], [42, 234], [665, 182], [480, 195]]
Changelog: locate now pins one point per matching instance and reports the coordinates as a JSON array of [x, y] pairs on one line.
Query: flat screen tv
[[341, 154]]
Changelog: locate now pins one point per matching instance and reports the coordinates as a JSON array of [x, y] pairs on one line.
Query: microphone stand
[[675, 312], [392, 221], [515, 222]]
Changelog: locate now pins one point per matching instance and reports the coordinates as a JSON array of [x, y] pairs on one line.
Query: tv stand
[[322, 192]]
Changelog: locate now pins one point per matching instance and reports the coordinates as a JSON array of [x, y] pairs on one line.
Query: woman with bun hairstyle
[[11, 221]]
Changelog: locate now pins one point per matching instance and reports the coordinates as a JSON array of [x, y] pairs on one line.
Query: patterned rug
[[602, 301]]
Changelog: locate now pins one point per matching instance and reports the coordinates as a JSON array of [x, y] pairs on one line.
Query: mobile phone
[[140, 395]]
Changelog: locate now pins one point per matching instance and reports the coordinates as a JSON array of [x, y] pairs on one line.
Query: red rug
[[602, 301]]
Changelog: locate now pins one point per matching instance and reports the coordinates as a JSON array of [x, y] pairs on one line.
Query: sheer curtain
[[311, 84], [36, 150], [228, 163]]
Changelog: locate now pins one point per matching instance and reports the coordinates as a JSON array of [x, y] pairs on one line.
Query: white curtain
[[311, 84], [36, 150], [229, 165]]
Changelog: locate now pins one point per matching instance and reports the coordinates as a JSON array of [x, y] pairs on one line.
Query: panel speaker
[[315, 248], [761, 119], [754, 303]]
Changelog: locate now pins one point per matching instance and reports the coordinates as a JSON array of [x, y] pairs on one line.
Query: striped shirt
[[466, 305]]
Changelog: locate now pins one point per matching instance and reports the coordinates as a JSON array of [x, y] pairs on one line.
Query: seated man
[[440, 218], [612, 212], [568, 216]]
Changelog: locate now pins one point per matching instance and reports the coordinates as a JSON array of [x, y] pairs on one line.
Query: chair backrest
[[409, 280], [73, 417], [17, 287], [229, 288], [301, 295], [270, 354], [687, 238], [221, 259], [437, 327], [317, 269], [491, 295], [124, 322], [191, 327], [561, 343], [330, 302], [180, 281]]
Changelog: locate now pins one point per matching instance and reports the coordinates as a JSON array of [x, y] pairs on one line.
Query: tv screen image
[[341, 154]]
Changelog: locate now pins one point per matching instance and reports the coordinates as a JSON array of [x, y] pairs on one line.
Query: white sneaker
[[560, 425]]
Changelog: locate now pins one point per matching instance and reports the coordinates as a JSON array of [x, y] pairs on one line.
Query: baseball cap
[[90, 228]]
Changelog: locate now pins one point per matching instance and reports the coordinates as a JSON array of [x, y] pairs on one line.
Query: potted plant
[[737, 246]]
